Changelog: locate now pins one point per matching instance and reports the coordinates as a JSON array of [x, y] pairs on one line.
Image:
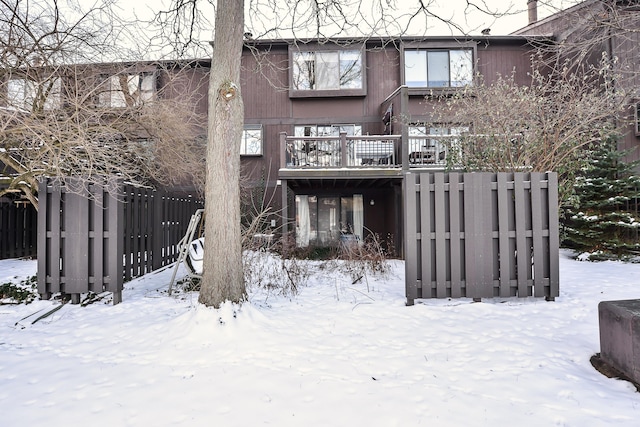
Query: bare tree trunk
[[223, 278]]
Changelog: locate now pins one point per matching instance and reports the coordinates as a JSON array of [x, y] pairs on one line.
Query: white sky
[[464, 13]]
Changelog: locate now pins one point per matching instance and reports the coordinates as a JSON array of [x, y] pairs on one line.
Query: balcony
[[361, 153]]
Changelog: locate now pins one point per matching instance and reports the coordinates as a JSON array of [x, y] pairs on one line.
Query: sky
[[336, 354], [464, 13]]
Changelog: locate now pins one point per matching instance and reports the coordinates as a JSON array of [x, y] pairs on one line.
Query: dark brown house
[[332, 128]]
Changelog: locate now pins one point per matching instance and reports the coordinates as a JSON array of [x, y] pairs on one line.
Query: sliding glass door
[[322, 220]]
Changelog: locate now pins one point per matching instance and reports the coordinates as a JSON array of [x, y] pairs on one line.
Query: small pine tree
[[602, 221]]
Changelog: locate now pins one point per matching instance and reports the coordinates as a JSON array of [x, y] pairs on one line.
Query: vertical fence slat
[[157, 256], [43, 230], [115, 242], [426, 244], [410, 238], [440, 212], [554, 235], [136, 233], [536, 231], [54, 255], [454, 235], [477, 235], [76, 241], [520, 236], [503, 237], [98, 239]]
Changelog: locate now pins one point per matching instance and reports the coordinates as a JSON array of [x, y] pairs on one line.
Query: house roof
[[573, 10], [508, 38]]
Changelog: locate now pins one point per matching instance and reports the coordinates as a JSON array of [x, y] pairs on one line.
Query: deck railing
[[385, 151], [339, 151]]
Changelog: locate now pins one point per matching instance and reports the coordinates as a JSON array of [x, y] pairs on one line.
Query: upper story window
[[327, 73], [251, 144], [327, 130], [438, 68], [29, 95], [127, 90]]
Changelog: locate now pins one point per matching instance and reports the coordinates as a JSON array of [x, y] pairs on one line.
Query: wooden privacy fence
[[481, 235], [93, 239], [18, 229]]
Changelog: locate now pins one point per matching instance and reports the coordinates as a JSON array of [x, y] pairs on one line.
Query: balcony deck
[[370, 157]]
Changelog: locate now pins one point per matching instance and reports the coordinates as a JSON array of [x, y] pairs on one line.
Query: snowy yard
[[337, 354]]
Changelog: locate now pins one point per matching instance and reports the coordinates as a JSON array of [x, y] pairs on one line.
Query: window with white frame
[[438, 68], [127, 90], [327, 220], [29, 95], [21, 93], [251, 144], [327, 70], [327, 130]]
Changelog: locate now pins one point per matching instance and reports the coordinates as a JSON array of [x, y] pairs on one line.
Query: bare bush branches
[[88, 133], [63, 115], [540, 127]]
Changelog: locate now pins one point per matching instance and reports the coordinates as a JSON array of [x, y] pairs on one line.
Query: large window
[[127, 90], [328, 220], [29, 95], [324, 70], [251, 144], [438, 68]]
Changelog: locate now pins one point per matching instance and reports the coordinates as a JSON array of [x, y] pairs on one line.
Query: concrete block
[[620, 336]]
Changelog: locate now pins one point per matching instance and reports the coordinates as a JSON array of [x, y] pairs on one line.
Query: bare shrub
[[363, 258], [267, 267]]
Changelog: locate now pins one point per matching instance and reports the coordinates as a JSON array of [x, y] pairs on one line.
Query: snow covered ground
[[335, 355]]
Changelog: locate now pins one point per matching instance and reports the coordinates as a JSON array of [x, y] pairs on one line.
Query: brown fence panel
[[481, 235], [18, 230], [93, 238]]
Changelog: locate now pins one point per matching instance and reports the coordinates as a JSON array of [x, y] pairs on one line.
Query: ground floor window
[[326, 220]]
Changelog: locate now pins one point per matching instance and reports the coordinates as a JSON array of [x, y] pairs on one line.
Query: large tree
[[223, 278]]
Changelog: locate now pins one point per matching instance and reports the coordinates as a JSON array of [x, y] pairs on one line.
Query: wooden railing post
[[343, 149], [283, 149], [404, 127]]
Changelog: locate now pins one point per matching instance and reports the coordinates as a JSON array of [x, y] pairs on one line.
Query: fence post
[[43, 251], [157, 237], [409, 192], [554, 236], [115, 241]]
